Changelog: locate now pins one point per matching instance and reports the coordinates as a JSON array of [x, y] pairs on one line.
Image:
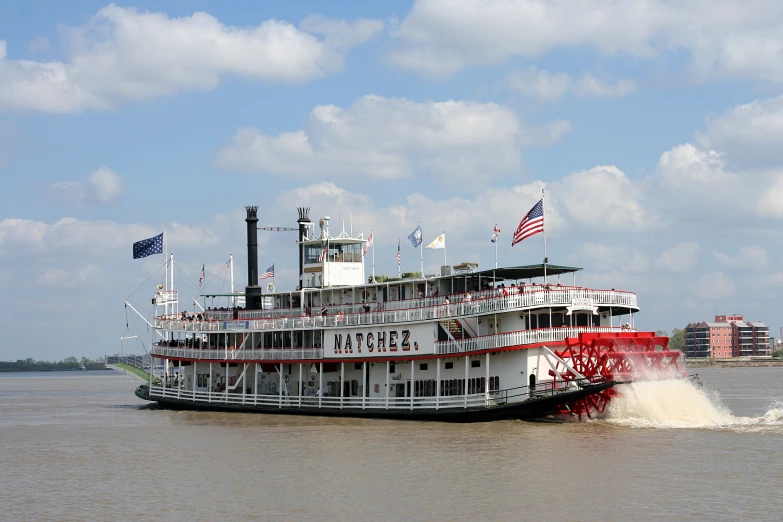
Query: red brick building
[[727, 336]]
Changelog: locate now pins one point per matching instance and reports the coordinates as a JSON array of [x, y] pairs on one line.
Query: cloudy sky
[[656, 128]]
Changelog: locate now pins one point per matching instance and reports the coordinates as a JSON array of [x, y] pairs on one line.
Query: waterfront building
[[727, 336]]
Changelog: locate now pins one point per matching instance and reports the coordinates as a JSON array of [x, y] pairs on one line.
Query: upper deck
[[464, 304]]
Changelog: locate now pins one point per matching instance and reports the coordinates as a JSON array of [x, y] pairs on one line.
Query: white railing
[[287, 401], [458, 346], [541, 335], [279, 354], [518, 301], [530, 296]]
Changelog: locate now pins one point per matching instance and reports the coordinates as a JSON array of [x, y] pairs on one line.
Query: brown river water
[[81, 446]]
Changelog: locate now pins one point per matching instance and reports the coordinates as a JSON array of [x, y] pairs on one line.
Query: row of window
[[448, 365], [452, 387]]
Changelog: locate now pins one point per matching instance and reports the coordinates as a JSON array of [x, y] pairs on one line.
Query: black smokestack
[[304, 220], [252, 291]]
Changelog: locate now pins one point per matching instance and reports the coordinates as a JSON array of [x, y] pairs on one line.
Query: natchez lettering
[[347, 343]]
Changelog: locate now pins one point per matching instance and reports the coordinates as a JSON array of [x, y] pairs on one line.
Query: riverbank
[[732, 363]]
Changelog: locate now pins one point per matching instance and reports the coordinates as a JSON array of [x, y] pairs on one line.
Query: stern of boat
[[610, 359]]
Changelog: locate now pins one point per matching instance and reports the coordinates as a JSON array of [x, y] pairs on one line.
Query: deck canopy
[[516, 273]]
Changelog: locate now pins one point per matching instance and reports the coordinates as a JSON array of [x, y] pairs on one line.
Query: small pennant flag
[[439, 242], [201, 276], [398, 252], [367, 245], [495, 234], [415, 236]]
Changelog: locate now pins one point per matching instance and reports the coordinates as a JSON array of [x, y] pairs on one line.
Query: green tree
[[677, 340]]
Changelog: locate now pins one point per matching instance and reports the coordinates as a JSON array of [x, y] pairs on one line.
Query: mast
[[231, 271], [174, 308], [372, 235]]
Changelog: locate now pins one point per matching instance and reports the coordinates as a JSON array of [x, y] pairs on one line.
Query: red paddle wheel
[[619, 357]]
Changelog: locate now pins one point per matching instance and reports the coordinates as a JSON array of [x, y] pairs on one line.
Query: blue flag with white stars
[[147, 247]]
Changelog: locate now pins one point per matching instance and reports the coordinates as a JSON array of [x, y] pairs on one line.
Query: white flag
[[367, 245], [440, 242]]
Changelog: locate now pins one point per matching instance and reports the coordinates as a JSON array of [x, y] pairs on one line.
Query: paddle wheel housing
[[619, 357]]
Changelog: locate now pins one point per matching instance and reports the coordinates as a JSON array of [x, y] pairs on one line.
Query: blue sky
[[654, 126]]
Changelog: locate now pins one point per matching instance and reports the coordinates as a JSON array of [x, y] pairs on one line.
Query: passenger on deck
[[365, 307], [324, 311]]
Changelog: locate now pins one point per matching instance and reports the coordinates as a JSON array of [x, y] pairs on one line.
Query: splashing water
[[677, 403]]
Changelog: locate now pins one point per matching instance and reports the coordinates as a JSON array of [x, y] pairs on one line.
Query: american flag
[[398, 252], [201, 276], [270, 272], [367, 245], [531, 224], [324, 252]]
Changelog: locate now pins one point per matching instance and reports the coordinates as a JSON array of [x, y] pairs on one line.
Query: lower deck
[[524, 403], [438, 384]]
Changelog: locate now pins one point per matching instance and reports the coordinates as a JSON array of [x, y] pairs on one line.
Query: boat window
[[475, 364], [423, 366], [449, 365], [311, 253], [357, 366], [391, 367]]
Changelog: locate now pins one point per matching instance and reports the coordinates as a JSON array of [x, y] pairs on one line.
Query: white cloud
[[770, 203], [600, 257], [545, 86], [682, 257], [713, 286], [124, 54], [102, 186], [751, 257], [739, 38], [602, 196], [89, 275], [750, 134], [70, 235], [378, 136]]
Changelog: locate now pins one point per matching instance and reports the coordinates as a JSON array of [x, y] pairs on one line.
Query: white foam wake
[[677, 403]]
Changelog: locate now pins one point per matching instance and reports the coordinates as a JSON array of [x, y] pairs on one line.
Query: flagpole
[[444, 248], [421, 252], [166, 271], [496, 251], [372, 235], [543, 220]]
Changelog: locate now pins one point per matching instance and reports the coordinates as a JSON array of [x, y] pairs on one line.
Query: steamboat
[[463, 345]]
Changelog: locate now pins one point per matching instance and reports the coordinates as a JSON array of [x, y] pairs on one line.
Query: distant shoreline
[[732, 363], [14, 370]]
